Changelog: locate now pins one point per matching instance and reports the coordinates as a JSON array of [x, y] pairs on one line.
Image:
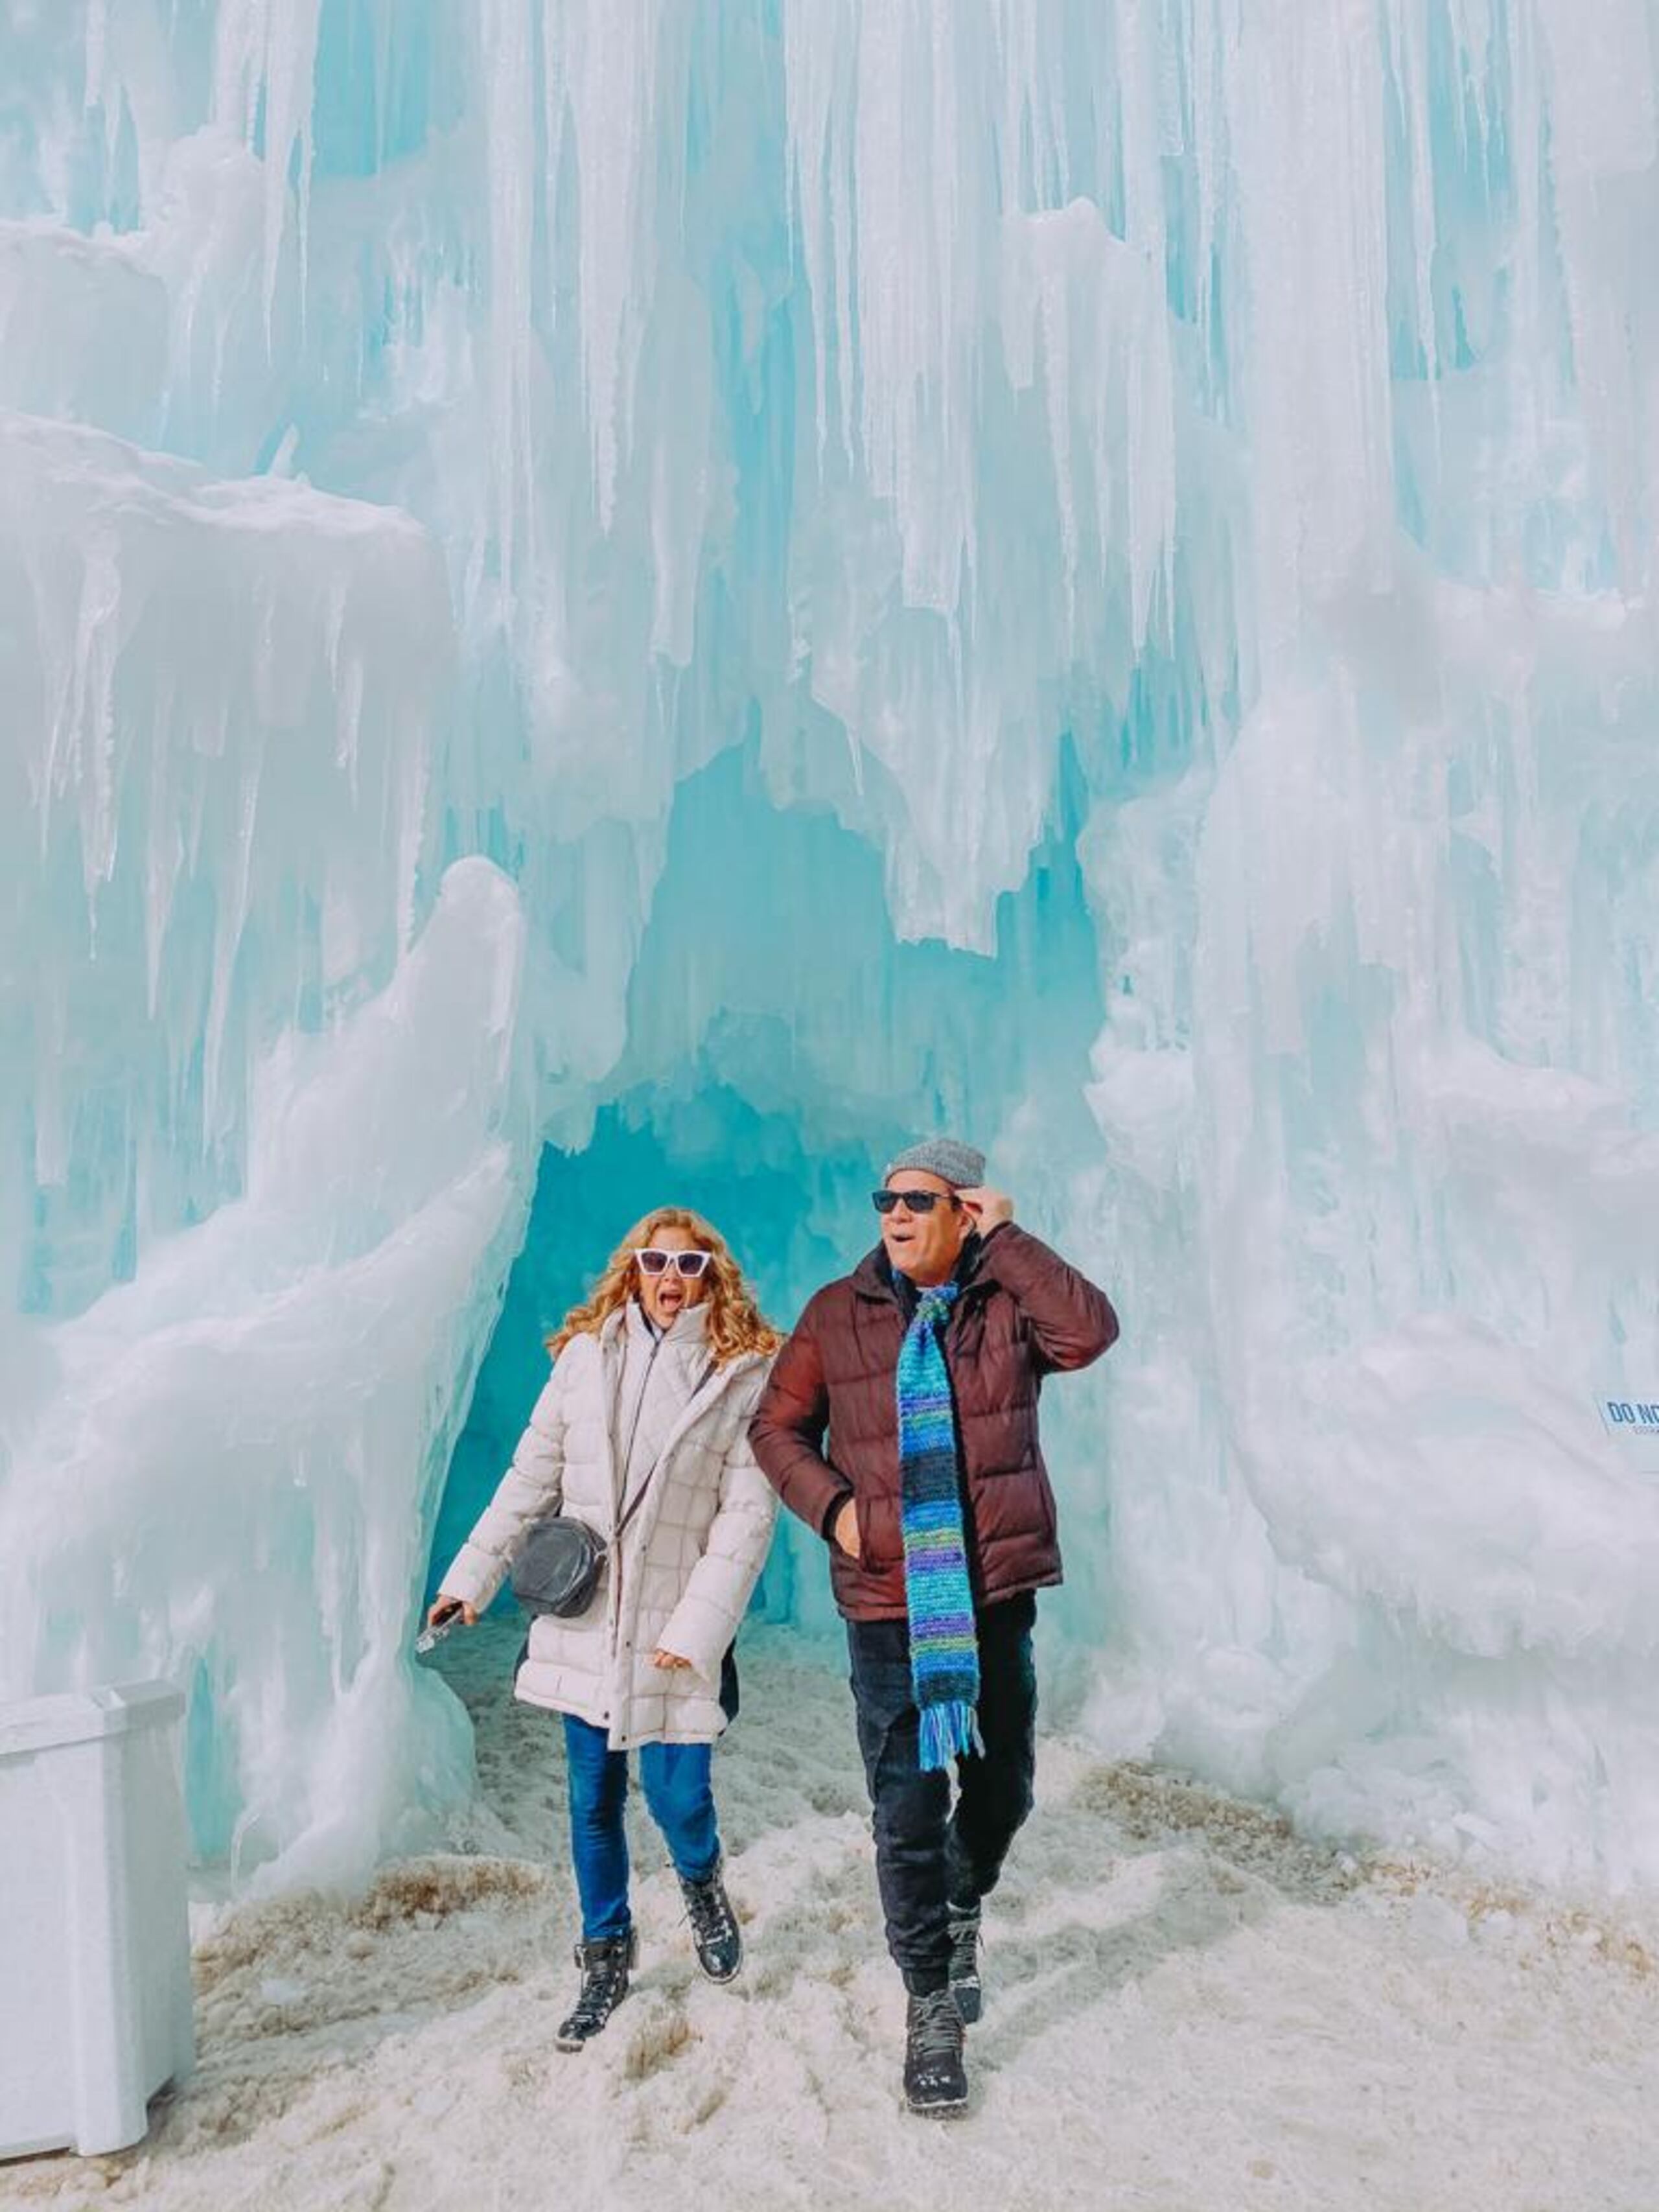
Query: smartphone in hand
[[440, 1625]]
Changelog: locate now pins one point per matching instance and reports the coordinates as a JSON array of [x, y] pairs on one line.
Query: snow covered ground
[[1189, 2010]]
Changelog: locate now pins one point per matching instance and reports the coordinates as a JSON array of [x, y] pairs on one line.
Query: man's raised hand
[[988, 1208]]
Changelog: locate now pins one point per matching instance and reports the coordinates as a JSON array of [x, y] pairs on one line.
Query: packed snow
[[1189, 2010]]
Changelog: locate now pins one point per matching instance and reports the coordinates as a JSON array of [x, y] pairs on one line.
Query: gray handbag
[[558, 1570]]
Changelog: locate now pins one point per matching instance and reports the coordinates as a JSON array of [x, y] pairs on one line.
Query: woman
[[653, 1383]]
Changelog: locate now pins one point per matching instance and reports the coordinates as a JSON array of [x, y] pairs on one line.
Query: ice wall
[[1079, 569], [269, 1115]]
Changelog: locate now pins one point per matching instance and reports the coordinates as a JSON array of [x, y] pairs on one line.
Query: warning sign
[[1630, 1417]]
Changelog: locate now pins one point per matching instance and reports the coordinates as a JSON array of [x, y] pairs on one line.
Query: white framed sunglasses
[[653, 1261]]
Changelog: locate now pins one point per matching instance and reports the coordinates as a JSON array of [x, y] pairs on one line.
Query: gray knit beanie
[[948, 1158]]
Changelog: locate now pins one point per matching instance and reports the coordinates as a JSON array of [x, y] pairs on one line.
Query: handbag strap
[[638, 1498]]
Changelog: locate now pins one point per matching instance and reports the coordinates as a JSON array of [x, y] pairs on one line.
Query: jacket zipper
[[619, 1496]]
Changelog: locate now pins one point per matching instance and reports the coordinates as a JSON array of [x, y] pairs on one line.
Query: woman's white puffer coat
[[688, 1558]]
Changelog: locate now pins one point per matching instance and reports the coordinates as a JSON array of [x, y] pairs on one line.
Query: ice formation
[[678, 592]]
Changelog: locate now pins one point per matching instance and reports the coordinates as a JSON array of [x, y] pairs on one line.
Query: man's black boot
[[714, 1927], [935, 2079], [605, 1965], [965, 1986]]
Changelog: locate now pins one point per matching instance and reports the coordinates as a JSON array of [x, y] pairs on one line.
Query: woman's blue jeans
[[676, 1781]]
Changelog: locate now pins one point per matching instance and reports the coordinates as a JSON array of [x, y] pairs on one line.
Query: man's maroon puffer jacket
[[1022, 1313]]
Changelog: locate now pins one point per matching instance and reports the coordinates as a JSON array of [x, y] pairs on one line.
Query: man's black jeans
[[927, 1857]]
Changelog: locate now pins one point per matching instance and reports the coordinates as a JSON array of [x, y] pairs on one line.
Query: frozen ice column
[[94, 1995]]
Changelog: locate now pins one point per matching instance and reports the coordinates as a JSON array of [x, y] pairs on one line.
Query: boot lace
[[709, 1910], [935, 2030], [602, 1981]]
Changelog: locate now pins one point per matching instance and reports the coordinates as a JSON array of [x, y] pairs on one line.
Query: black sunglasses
[[913, 1201]]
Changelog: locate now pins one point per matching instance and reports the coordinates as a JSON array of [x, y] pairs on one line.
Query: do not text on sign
[[1630, 1417]]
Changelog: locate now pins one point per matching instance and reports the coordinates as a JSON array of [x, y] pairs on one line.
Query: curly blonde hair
[[736, 1323]]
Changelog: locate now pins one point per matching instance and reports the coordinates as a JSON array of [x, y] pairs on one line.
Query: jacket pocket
[[862, 1518], [880, 1543]]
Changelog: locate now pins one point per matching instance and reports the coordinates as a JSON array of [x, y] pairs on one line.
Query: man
[[924, 1366]]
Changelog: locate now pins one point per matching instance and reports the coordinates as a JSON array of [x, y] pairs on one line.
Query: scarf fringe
[[949, 1731]]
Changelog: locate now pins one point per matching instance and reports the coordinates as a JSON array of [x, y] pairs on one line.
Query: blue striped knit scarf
[[943, 1652]]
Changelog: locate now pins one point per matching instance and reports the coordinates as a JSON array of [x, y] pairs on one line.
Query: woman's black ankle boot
[[605, 1965]]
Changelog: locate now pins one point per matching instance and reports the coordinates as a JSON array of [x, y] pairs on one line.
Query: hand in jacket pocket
[[846, 1531]]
